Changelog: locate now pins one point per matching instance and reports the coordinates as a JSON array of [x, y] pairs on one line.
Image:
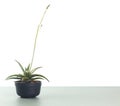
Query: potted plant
[[27, 84]]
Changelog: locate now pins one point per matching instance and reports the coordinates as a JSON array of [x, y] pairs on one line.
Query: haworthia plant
[[28, 72]]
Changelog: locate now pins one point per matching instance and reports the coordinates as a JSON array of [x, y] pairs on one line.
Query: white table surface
[[64, 96]]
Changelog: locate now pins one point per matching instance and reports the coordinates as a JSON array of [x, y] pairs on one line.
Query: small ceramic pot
[[28, 89]]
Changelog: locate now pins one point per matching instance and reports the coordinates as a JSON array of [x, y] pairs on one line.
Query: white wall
[[79, 43]]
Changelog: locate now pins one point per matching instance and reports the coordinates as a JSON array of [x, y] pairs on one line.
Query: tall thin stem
[[38, 29]]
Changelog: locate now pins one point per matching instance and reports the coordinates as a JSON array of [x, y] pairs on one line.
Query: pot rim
[[27, 81]]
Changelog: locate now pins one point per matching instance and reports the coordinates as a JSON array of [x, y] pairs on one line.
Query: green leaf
[[36, 78], [33, 70], [15, 76], [40, 76], [20, 66], [28, 68]]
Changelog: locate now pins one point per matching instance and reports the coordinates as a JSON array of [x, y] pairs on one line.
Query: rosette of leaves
[[27, 75]]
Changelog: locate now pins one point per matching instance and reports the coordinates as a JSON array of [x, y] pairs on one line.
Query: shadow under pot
[[28, 89]]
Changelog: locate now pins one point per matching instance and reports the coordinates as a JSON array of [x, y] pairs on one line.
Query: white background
[[78, 45]]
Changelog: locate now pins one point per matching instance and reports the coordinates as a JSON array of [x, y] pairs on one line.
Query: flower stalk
[[38, 29]]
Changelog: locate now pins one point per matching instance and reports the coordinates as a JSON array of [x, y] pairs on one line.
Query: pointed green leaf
[[15, 76], [37, 78], [33, 70], [20, 66], [28, 68], [39, 75]]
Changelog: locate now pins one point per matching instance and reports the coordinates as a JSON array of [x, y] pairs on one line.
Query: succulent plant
[[28, 72]]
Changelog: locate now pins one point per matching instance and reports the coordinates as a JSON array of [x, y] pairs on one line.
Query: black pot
[[28, 89]]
